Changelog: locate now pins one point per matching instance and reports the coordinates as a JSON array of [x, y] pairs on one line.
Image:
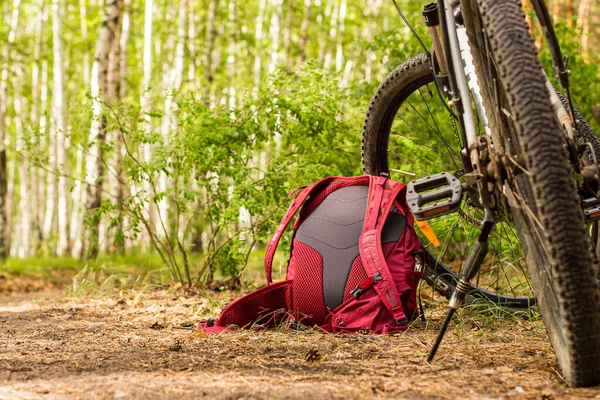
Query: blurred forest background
[[175, 128]]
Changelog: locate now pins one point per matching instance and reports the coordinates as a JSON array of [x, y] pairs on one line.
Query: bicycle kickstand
[[467, 273]]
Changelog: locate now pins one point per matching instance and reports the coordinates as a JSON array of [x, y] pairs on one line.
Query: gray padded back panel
[[333, 229]]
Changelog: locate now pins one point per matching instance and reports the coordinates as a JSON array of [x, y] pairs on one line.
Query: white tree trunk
[[209, 43], [332, 34], [146, 106], [555, 7], [11, 176], [111, 95], [322, 40], [78, 193], [583, 23], [304, 29], [191, 43], [347, 74], [173, 80], [275, 32], [21, 246], [36, 205], [92, 196], [102, 88], [339, 53], [60, 124], [84, 36], [371, 26], [258, 36], [78, 200], [231, 56], [49, 215], [123, 45], [119, 153], [287, 35], [4, 223]]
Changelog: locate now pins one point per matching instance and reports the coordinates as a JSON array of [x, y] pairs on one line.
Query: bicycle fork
[[471, 267]]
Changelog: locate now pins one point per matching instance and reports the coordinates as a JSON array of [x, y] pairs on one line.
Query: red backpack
[[355, 262]]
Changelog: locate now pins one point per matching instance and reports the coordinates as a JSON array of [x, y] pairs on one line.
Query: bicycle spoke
[[398, 156], [437, 129], [433, 146], [515, 258], [499, 266]]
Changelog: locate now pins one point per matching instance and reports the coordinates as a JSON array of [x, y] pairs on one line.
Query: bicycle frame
[[460, 99], [560, 63], [460, 92]]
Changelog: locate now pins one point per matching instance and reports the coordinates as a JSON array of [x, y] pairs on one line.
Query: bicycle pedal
[[591, 209], [434, 195]]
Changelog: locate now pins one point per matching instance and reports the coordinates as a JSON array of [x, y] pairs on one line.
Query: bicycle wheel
[[407, 128], [544, 202]]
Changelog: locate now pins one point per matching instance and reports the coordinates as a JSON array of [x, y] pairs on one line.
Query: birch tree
[[191, 46], [258, 36], [173, 78], [335, 9], [121, 187], [84, 36], [583, 23], [339, 51], [231, 56], [102, 92], [4, 227], [209, 43], [287, 35], [45, 182], [60, 127], [21, 246], [145, 107], [36, 204], [304, 29], [77, 196], [275, 33]]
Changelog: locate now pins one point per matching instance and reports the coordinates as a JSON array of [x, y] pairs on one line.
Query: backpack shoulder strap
[[382, 192], [295, 205]]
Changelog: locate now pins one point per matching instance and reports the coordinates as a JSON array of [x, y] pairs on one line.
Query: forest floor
[[144, 344]]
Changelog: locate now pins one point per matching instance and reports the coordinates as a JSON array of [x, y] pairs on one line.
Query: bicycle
[[521, 154]]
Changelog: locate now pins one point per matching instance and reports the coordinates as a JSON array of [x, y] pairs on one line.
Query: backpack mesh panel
[[356, 276], [308, 288], [357, 272]]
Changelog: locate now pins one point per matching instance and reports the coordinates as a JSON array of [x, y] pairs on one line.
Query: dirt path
[[145, 346]]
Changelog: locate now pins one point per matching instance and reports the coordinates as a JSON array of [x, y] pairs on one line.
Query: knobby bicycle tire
[[548, 213]]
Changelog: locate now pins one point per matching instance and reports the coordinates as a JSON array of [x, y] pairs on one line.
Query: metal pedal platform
[[434, 195], [591, 209]]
